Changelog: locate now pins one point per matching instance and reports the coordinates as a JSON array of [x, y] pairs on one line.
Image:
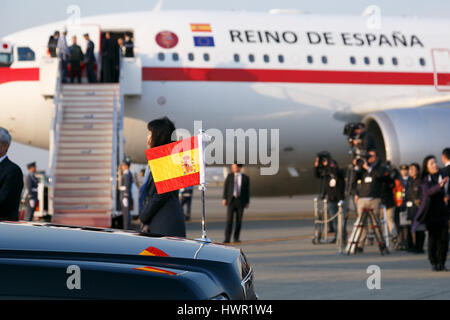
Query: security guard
[[31, 194], [125, 193]]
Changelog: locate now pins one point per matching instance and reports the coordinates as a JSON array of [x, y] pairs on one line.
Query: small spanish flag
[[177, 165], [201, 27]]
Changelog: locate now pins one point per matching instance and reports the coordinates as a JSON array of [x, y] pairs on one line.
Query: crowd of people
[[74, 58], [414, 198]]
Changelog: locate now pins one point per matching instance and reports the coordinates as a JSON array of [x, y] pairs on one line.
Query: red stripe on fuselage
[[261, 75], [23, 74], [287, 76]]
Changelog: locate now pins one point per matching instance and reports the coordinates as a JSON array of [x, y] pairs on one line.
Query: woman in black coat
[[161, 213], [413, 203], [433, 212]]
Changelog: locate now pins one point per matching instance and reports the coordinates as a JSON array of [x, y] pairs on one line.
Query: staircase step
[[87, 120], [87, 116], [87, 126], [77, 145], [94, 178], [82, 193], [86, 104], [99, 185], [88, 110]]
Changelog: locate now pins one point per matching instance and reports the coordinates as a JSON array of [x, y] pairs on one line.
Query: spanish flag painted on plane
[[177, 165], [201, 27]]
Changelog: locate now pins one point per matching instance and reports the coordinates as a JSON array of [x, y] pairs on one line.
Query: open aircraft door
[[441, 69]]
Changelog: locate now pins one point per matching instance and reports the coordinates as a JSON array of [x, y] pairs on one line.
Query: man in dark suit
[[109, 54], [90, 60], [11, 181], [31, 186], [125, 193], [236, 197], [129, 47]]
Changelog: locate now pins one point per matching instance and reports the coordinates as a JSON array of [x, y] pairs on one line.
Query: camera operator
[[333, 185], [368, 188], [362, 140]]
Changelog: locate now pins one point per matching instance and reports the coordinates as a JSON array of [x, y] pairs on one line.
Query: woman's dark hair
[[424, 166], [161, 130]]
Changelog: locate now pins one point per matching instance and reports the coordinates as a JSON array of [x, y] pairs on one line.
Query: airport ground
[[276, 237]]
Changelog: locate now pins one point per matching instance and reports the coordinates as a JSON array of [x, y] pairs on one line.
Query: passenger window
[[25, 54], [380, 61], [280, 58], [191, 57], [236, 58], [422, 61], [352, 60], [251, 58], [206, 56], [266, 58], [175, 57], [161, 56], [324, 60], [310, 59], [366, 60], [394, 61]]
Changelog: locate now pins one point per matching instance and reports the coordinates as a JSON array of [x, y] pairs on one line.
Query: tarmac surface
[[276, 237]]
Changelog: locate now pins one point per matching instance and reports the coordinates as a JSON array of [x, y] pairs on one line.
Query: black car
[[45, 261]]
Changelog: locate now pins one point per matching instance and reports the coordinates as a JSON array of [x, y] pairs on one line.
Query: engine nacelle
[[409, 135]]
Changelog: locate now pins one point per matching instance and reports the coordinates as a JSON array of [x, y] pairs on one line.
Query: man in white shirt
[[63, 54], [11, 181], [236, 197]]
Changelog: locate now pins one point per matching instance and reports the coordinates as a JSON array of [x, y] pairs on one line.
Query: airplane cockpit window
[[266, 58], [236, 58], [366, 60], [191, 57], [5, 59], [310, 59], [380, 61], [175, 57], [352, 60], [251, 58], [206, 57], [394, 61], [422, 61], [280, 59], [324, 60], [25, 54], [161, 56]]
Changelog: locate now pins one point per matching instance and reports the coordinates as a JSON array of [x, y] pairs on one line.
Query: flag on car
[[177, 165]]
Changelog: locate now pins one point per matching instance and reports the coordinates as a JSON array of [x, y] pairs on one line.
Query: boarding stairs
[[85, 150]]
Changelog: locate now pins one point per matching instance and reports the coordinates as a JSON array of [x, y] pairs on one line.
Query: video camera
[[352, 137]]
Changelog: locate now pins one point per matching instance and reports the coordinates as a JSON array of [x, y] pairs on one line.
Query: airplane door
[[94, 32], [441, 65]]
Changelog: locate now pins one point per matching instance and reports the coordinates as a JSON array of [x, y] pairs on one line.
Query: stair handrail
[[114, 160], [54, 135]]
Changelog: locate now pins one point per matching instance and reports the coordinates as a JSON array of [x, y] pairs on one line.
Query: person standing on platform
[[413, 204], [108, 58], [11, 181], [53, 44], [236, 197], [31, 192], [63, 54], [90, 59], [76, 56], [118, 59], [129, 46]]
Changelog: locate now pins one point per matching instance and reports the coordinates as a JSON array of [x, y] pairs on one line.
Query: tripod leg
[[352, 236], [378, 233], [356, 234]]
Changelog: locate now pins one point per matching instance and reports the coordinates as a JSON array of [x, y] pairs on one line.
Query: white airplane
[[306, 75]]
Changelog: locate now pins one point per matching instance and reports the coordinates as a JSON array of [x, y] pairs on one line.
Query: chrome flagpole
[[203, 138]]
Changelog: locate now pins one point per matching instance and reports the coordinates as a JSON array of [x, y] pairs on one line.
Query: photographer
[[333, 184], [368, 187]]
